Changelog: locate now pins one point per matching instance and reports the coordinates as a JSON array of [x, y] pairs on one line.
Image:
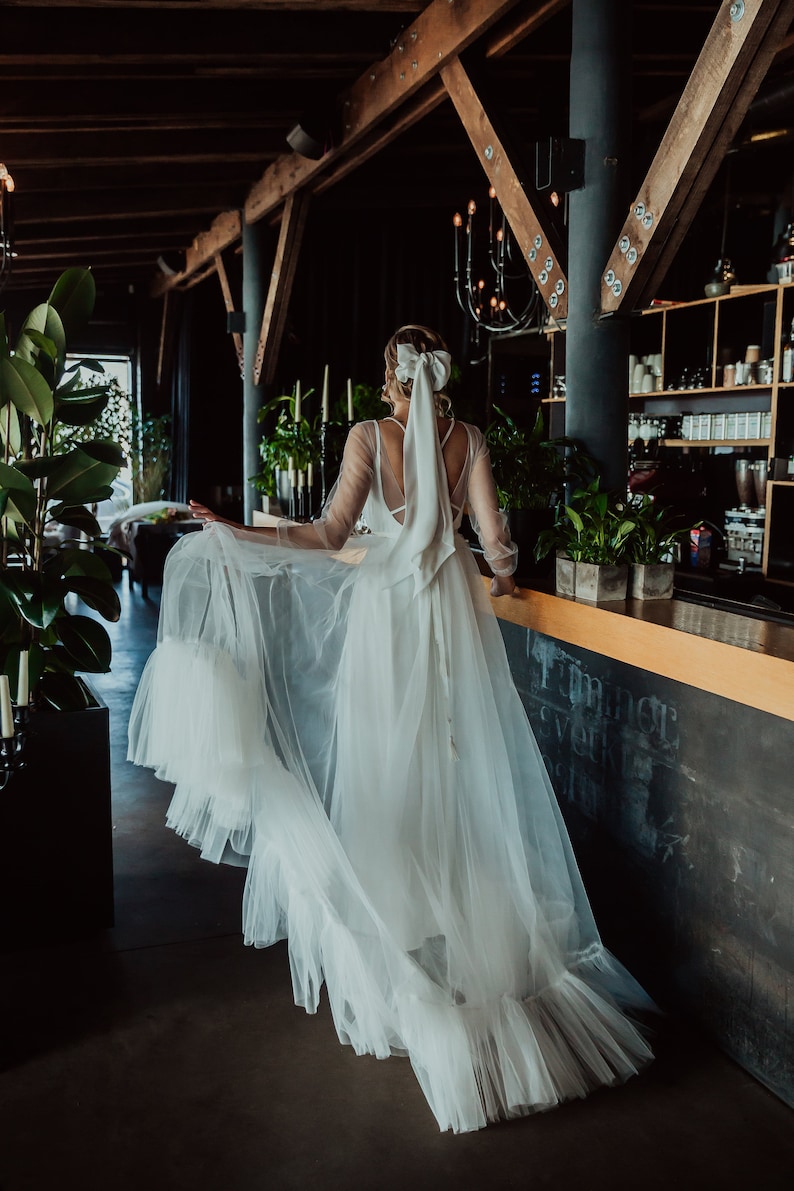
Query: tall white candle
[[349, 400], [291, 471], [297, 401], [325, 394], [23, 692], [6, 711], [309, 475], [300, 480]]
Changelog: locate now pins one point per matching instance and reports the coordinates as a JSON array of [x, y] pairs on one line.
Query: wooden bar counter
[[667, 729], [747, 660]]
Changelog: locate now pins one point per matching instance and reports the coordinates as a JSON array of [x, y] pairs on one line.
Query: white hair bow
[[409, 360]]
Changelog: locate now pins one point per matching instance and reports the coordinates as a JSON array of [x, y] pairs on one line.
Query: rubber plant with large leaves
[[48, 580]]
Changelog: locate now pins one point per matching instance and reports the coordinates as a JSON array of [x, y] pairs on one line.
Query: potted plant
[[47, 481], [286, 445], [150, 456], [594, 533], [530, 472], [651, 550]]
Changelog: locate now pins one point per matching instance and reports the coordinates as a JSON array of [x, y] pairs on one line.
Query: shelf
[[667, 394], [736, 390], [715, 442]]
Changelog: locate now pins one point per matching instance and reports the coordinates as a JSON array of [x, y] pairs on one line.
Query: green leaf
[[575, 518], [104, 450], [79, 476], [87, 642], [35, 469], [39, 598], [9, 613], [43, 343], [18, 494], [81, 407], [73, 296], [72, 561], [89, 365], [97, 594], [76, 517], [23, 384], [10, 428], [46, 321]]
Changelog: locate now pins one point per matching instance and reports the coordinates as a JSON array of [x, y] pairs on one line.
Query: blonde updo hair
[[421, 339]]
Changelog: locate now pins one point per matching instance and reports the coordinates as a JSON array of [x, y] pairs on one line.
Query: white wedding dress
[[342, 720]]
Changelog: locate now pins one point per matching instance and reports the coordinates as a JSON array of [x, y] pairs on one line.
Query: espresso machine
[[744, 525]]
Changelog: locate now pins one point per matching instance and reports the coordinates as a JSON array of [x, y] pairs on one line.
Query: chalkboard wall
[[680, 805]]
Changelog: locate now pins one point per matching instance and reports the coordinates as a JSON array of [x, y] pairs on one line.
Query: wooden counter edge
[[755, 679]]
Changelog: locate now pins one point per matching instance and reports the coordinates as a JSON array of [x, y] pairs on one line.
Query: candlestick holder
[[12, 747], [323, 450]]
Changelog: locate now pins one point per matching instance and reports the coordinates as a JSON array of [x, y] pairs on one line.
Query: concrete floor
[[164, 1054]]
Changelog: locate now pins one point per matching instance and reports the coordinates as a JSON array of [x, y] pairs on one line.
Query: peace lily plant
[[595, 526], [49, 481]]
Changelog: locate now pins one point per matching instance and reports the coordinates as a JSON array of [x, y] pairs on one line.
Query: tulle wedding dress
[[336, 713]]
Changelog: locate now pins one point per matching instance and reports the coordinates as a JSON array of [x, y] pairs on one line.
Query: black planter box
[[56, 875]]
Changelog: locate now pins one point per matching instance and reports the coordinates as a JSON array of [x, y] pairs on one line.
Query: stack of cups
[[643, 373]]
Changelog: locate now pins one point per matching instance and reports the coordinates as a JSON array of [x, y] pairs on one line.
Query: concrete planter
[[564, 575], [601, 582], [651, 580]]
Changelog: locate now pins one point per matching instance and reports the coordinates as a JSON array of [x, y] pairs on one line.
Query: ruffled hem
[[475, 1063]]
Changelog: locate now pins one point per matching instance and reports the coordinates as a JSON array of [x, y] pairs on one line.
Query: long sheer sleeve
[[343, 507], [487, 519]]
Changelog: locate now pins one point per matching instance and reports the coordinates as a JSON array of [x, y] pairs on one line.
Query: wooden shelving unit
[[702, 336]]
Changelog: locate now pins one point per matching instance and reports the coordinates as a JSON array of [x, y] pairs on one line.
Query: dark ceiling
[[128, 127]]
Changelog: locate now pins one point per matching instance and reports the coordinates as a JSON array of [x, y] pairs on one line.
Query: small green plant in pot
[[593, 532], [652, 549], [48, 480]]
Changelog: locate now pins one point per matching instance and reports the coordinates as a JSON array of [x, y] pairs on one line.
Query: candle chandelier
[[488, 303], [7, 253]]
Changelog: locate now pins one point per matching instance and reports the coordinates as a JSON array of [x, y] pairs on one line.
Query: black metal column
[[596, 365], [254, 294]]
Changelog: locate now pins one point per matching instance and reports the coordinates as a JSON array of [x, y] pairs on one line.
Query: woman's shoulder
[[475, 434]]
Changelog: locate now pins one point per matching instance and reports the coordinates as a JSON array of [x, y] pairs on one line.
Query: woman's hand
[[503, 585], [202, 513]]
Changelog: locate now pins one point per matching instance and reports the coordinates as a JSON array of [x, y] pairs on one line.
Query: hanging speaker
[[305, 141], [172, 263]]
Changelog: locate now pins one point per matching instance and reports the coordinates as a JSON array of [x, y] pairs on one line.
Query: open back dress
[[337, 714]]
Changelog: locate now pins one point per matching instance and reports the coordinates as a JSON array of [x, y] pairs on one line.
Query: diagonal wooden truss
[[424, 68], [735, 57]]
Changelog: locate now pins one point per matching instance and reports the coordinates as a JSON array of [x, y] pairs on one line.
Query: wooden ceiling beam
[[736, 56], [228, 302], [232, 5], [282, 275], [441, 32], [533, 233]]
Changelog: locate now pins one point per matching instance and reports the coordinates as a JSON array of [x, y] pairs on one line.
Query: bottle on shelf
[[787, 362]]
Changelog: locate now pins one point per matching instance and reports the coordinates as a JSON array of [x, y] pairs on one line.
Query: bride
[[336, 713]]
